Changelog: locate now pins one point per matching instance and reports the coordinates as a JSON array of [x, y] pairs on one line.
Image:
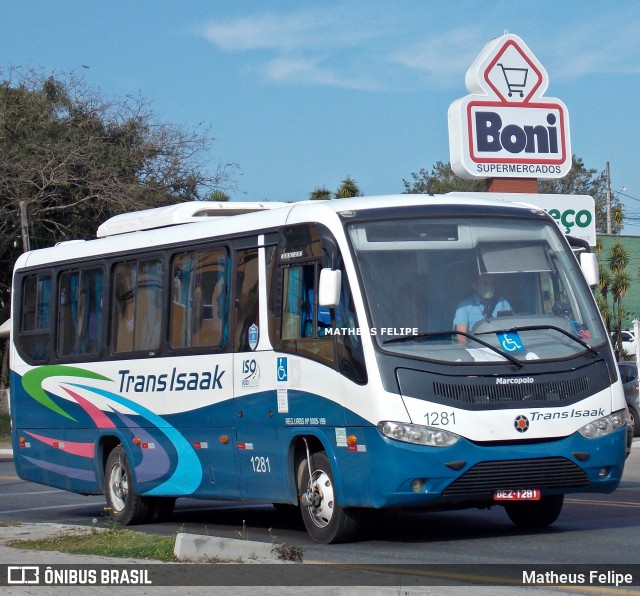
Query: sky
[[303, 94]]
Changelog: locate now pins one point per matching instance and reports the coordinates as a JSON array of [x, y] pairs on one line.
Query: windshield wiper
[[473, 338], [578, 340]]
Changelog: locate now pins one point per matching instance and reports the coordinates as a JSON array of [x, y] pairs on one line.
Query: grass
[[113, 542]]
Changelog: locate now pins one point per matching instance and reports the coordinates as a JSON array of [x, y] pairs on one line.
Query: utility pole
[[24, 226], [608, 182]]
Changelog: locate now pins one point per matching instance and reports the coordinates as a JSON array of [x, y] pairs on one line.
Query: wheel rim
[[321, 490], [118, 486]]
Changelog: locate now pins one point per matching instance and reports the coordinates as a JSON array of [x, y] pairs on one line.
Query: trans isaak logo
[[521, 423]]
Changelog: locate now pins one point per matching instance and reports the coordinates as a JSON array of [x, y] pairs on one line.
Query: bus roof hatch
[[181, 213]]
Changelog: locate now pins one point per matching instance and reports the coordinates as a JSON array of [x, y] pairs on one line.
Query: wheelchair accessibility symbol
[[281, 370], [510, 341]]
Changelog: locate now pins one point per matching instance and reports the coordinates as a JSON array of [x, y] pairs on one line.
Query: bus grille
[[548, 472], [545, 393]]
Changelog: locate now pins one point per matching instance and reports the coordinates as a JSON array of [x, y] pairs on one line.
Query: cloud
[[358, 46], [313, 47], [444, 59], [302, 30], [606, 46], [311, 71], [265, 32]]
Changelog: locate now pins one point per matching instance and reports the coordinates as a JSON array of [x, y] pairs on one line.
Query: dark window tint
[[80, 312], [35, 323], [199, 301], [137, 305]]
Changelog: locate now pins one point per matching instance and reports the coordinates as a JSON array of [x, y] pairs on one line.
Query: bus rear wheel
[[124, 504], [325, 520], [535, 514]]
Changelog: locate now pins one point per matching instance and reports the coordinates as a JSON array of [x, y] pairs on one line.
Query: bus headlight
[[417, 434], [604, 426]]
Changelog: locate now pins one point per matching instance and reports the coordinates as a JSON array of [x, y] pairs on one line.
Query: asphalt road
[[592, 529]]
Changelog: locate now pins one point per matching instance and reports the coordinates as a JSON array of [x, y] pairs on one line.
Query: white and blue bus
[[306, 355]]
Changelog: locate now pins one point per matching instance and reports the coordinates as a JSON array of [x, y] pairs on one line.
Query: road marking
[[596, 502], [35, 492], [75, 505]]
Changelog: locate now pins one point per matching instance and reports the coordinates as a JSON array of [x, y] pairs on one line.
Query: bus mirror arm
[[329, 287]]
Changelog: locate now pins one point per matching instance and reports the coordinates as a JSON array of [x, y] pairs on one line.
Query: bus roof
[[199, 222]]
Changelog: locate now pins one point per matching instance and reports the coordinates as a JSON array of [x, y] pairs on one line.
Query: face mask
[[485, 289], [486, 293]]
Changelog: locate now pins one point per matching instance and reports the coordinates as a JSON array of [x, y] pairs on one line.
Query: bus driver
[[481, 304]]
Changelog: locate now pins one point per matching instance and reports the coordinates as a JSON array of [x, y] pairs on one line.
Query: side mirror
[[590, 270], [329, 290]]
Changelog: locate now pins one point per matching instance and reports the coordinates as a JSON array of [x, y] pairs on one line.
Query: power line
[[627, 196]]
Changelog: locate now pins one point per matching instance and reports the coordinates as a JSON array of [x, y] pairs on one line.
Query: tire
[[125, 505], [636, 422], [535, 514], [325, 520]]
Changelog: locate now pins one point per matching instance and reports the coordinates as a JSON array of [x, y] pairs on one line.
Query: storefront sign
[[506, 128]]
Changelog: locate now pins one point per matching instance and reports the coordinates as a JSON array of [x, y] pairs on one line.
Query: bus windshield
[[474, 290]]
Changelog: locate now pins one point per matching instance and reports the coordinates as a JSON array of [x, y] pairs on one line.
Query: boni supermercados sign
[[506, 128]]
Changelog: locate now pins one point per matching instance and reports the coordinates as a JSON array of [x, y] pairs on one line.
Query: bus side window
[[148, 305], [35, 316], [137, 306], [123, 307], [67, 312], [247, 299], [298, 302], [199, 299], [80, 312]]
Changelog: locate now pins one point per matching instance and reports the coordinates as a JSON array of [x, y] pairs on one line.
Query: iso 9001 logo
[[521, 423]]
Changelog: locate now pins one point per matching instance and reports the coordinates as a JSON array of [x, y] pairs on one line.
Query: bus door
[[260, 454]]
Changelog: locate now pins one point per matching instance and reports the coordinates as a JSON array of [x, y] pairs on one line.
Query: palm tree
[[217, 195], [320, 193], [619, 286], [348, 188]]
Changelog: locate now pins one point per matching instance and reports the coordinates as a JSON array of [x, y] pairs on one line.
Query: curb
[[196, 547]]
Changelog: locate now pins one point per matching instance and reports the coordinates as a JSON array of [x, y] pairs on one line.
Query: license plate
[[529, 494]]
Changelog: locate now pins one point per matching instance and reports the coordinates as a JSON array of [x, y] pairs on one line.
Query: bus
[[306, 355]]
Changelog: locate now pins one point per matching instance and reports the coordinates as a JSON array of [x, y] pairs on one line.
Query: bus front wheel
[[535, 514], [124, 504], [325, 520]]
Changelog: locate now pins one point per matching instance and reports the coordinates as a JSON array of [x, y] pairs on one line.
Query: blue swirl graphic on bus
[[188, 473]]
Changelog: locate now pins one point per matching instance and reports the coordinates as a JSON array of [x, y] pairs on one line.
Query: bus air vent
[[548, 472], [548, 392]]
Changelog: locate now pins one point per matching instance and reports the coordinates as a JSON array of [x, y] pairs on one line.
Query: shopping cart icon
[[516, 79]]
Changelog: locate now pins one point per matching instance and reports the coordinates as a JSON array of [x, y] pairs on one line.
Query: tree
[[320, 193], [76, 158], [441, 180], [614, 284], [218, 195], [348, 188]]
